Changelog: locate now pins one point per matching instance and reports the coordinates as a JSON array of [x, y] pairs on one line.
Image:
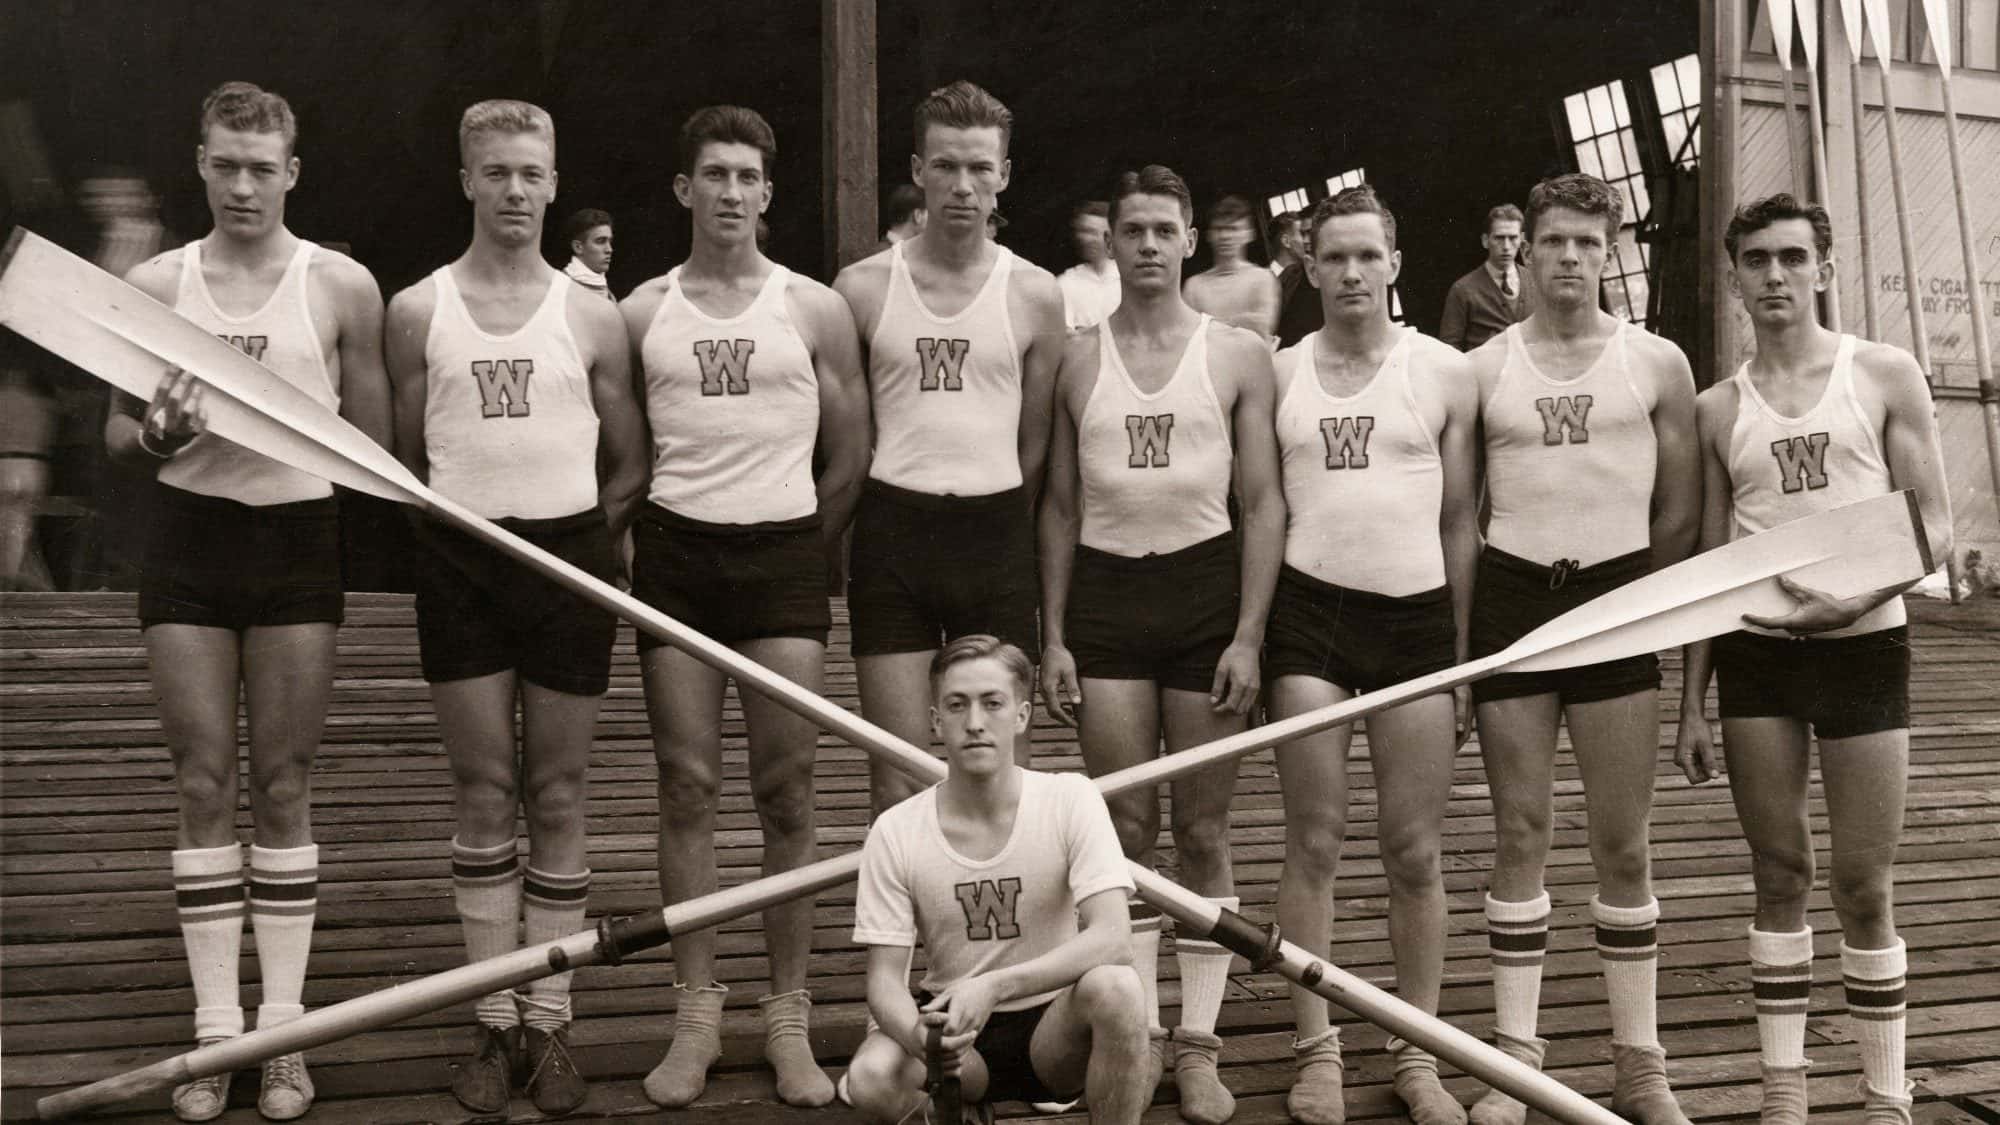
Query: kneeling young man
[[1015, 883], [1813, 420], [1153, 605]]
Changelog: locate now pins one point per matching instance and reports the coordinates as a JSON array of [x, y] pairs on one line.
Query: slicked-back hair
[[723, 125], [1505, 213], [1091, 208], [1230, 209], [583, 222], [1580, 192], [248, 108], [1153, 179], [1358, 200], [963, 105], [904, 202], [504, 115], [1760, 213], [984, 646]]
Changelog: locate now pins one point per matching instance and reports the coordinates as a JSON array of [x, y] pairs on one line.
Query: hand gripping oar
[[111, 338], [941, 1085]]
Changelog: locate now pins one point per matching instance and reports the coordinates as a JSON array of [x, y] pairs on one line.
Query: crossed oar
[[99, 323]]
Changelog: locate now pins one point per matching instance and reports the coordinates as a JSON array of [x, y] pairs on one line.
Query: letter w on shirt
[[942, 361], [503, 386], [1565, 414], [1346, 441], [1150, 435], [1801, 461], [725, 365], [989, 908]]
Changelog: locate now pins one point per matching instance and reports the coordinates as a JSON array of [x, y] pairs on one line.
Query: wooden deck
[[94, 981]]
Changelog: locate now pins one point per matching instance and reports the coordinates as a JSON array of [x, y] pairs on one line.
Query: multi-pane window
[[1677, 91], [1353, 177], [1293, 200], [1975, 33], [1600, 128]]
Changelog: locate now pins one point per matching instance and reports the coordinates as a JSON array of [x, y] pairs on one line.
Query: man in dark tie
[[1485, 301]]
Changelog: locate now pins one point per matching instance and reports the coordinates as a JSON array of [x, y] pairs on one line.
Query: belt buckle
[[1559, 573]]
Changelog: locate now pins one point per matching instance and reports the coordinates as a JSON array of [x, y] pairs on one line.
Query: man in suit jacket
[[1299, 312], [1485, 301]]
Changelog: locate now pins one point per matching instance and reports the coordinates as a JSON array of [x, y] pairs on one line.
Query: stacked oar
[[126, 338]]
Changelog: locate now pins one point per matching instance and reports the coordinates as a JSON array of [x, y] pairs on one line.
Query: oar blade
[[1844, 551], [126, 338]]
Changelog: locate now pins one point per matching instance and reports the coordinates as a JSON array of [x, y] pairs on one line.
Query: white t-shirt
[[976, 916], [1088, 296]]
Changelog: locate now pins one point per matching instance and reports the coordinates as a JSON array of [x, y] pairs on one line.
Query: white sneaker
[[287, 1090]]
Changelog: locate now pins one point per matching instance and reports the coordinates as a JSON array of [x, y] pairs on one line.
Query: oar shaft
[[1870, 320], [1385, 1011], [1982, 348], [1822, 185], [1920, 341], [441, 990]]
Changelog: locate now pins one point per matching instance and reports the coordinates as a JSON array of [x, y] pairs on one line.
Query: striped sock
[[552, 906], [208, 896], [284, 895], [1781, 981], [486, 884], [1875, 985], [1204, 969], [1517, 938], [1628, 948], [1146, 958]]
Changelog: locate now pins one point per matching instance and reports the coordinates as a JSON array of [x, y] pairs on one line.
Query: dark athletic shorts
[[224, 565], [1515, 596], [1165, 618], [925, 569], [1843, 686], [481, 612], [733, 582], [1003, 1046], [1357, 639]]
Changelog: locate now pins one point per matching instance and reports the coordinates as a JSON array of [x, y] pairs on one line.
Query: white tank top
[[1155, 467], [1364, 483], [1570, 463], [509, 425], [1783, 468], [281, 336], [947, 389], [734, 407]]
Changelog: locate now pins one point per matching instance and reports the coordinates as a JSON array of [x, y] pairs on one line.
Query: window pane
[[1638, 203], [1666, 90], [1982, 34], [1689, 67], [1614, 295], [1602, 118], [1586, 160], [1277, 205], [1579, 117], [1621, 103], [1610, 159], [1628, 142], [1675, 125]]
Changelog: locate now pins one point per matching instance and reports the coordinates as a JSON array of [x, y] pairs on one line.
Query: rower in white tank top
[[1364, 482], [281, 336], [509, 425], [1570, 462], [1155, 468], [946, 389], [734, 407], [1783, 468]]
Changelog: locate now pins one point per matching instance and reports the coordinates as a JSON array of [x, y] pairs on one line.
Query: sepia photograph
[[957, 561]]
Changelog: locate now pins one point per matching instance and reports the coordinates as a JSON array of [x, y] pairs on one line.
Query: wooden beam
[[847, 149], [1721, 64]]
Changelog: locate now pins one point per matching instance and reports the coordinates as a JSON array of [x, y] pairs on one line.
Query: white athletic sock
[[1781, 981], [1146, 958], [208, 896], [486, 884], [1204, 969], [1875, 984], [552, 906], [1517, 937], [284, 895], [1628, 948]]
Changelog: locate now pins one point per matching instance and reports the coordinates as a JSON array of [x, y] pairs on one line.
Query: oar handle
[[942, 1086]]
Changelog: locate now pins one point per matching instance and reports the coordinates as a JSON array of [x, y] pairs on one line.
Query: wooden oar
[[1694, 599]]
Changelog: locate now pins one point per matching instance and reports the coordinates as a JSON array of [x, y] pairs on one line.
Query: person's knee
[[1138, 827], [207, 790], [689, 787], [875, 1087], [1521, 825], [554, 805], [1862, 896], [1203, 841], [1410, 861], [785, 803], [1622, 857], [1783, 874], [1313, 842], [1110, 998]]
